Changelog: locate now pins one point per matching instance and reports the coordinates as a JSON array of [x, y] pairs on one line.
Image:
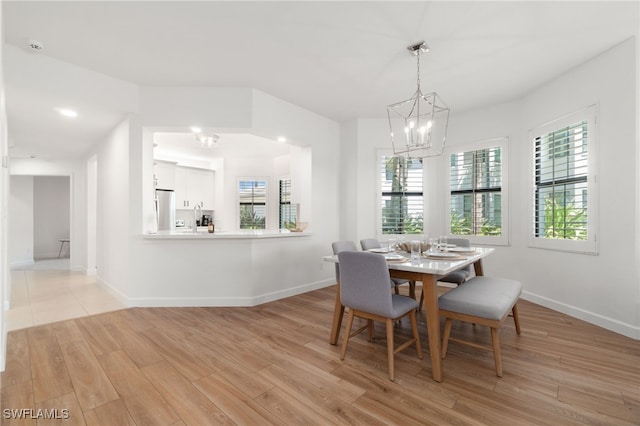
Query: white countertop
[[187, 233]]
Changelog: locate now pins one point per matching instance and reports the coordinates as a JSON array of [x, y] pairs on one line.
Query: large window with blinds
[[477, 196], [563, 178], [253, 203], [401, 195]]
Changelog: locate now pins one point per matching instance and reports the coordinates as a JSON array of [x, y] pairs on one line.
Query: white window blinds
[[402, 204], [475, 182], [253, 204], [561, 177], [564, 191]]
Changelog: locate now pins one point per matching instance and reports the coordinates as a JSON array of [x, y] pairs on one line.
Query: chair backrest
[[364, 282], [460, 242], [369, 243], [339, 246]]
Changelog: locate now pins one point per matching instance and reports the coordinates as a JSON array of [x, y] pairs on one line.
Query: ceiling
[[342, 60]]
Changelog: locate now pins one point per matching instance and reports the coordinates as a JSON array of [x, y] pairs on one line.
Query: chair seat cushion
[[457, 277], [484, 297], [402, 305]]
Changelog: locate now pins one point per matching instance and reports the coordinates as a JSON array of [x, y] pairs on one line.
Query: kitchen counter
[[241, 234]]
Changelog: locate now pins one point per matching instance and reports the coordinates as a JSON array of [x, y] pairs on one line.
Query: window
[[402, 204], [563, 183], [288, 211], [253, 204], [477, 191]]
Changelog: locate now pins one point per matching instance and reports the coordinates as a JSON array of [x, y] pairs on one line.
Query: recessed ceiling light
[[282, 139], [67, 112], [195, 129]]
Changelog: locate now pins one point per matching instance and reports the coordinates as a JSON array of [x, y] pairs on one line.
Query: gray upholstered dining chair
[[372, 243], [364, 289], [346, 245], [457, 277], [461, 275], [337, 247]]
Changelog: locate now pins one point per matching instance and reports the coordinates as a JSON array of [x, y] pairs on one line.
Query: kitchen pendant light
[[418, 125]]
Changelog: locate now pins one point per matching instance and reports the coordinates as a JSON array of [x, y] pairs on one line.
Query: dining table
[[427, 269]]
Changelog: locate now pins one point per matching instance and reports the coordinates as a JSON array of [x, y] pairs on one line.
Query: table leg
[[338, 312], [432, 314], [477, 267]]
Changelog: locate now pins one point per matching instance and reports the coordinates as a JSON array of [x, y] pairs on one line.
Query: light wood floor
[[272, 364]]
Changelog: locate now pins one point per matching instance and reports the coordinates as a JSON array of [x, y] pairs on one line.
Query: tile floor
[[48, 292]]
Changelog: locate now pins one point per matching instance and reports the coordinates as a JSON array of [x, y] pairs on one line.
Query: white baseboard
[[122, 298], [614, 325], [183, 302], [19, 263]]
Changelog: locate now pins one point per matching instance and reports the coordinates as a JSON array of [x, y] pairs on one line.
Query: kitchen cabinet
[[194, 186], [164, 173]]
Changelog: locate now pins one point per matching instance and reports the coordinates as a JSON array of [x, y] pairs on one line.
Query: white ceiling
[[342, 60], [183, 147]]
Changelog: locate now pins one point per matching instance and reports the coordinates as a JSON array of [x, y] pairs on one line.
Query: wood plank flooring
[[273, 365]]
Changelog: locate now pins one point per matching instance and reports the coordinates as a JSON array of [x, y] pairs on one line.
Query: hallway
[[48, 291]]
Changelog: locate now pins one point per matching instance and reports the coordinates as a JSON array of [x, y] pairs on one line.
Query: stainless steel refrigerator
[[166, 209]]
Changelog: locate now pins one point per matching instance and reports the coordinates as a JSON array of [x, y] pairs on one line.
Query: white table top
[[432, 266]]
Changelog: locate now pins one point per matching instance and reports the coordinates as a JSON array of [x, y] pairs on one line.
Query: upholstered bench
[[485, 301]]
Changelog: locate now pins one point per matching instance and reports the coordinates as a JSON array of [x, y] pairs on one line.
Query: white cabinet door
[[182, 200], [194, 186], [201, 188], [165, 175]]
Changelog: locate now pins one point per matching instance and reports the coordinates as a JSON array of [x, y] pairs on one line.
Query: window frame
[[286, 181], [589, 245], [379, 153], [239, 201], [503, 144]]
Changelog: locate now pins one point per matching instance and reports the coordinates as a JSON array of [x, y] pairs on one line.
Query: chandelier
[[418, 125]]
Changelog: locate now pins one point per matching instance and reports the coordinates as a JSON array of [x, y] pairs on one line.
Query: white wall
[[113, 207], [179, 272], [51, 219], [21, 219], [602, 289]]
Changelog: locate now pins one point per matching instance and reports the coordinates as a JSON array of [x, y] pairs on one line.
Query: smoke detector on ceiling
[[35, 45]]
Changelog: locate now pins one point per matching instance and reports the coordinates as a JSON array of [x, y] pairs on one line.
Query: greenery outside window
[[477, 191], [563, 183], [401, 195], [253, 204]]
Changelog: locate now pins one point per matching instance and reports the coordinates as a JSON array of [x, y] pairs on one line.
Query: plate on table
[[395, 258], [379, 250], [444, 256]]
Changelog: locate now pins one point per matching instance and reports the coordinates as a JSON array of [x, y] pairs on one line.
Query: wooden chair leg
[[516, 320], [445, 336], [421, 300], [347, 334], [412, 289], [416, 335], [396, 289], [390, 348], [371, 332], [496, 351]]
